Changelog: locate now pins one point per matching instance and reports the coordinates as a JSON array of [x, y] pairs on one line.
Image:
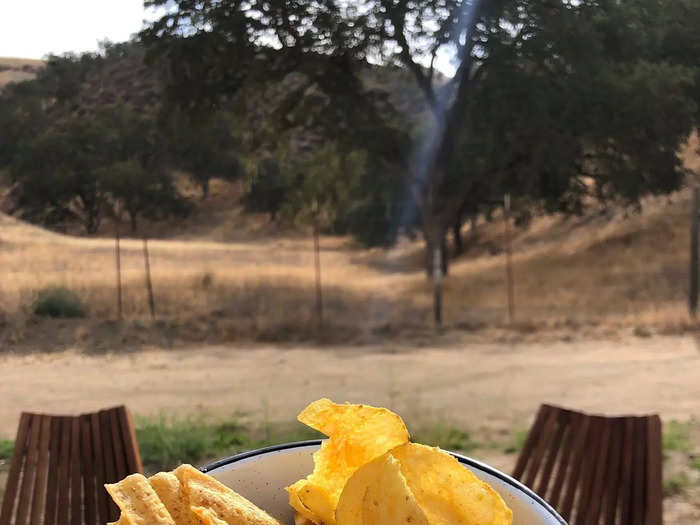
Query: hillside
[[18, 69]]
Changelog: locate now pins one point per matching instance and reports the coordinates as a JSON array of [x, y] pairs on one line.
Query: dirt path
[[485, 387]]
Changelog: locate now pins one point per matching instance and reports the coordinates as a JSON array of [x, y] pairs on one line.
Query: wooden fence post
[[693, 277], [437, 285], [509, 259], [149, 285], [317, 268], [117, 252]]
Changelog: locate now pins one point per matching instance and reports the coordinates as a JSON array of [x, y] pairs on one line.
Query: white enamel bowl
[[261, 475]]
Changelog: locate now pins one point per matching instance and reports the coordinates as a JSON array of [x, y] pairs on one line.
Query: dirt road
[[485, 387]]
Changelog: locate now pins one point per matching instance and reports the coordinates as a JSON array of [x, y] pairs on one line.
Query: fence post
[[317, 267], [437, 285], [149, 285], [117, 252], [693, 291], [509, 259]]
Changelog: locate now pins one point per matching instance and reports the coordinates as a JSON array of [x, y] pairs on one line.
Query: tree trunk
[[133, 222], [457, 234], [205, 189]]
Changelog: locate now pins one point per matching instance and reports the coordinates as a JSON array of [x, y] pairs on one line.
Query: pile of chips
[[369, 473], [184, 496], [366, 473]]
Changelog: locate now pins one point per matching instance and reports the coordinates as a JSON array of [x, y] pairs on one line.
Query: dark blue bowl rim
[[462, 459]]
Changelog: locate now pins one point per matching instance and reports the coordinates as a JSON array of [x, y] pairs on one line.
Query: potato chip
[[448, 493], [357, 435], [206, 516], [172, 494], [227, 505], [377, 494], [138, 502], [301, 520]]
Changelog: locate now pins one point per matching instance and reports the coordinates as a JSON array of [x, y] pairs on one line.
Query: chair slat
[[589, 461], [39, 497], [639, 466], [60, 464], [133, 458], [86, 461], [109, 460], [576, 460], [63, 511], [76, 486], [574, 424], [16, 463], [627, 466], [100, 476], [614, 469], [605, 470], [542, 445], [600, 473], [530, 443], [117, 445], [52, 481], [561, 424], [26, 490], [654, 472]]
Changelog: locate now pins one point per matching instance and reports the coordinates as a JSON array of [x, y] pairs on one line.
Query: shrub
[[58, 302], [6, 448]]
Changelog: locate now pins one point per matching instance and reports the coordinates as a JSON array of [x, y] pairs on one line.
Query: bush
[[58, 302], [6, 448]]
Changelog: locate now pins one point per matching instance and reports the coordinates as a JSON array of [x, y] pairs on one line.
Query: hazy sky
[[34, 28]]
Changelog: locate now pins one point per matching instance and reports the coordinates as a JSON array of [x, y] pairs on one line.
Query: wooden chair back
[[595, 470], [60, 464]]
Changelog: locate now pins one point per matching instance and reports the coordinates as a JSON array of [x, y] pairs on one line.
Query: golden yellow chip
[[227, 505], [173, 496], [138, 502], [448, 493], [357, 435], [377, 494], [206, 516]]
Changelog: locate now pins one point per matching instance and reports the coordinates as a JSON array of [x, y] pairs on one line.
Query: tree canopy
[[556, 102]]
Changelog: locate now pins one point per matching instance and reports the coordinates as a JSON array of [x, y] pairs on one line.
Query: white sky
[[35, 28]]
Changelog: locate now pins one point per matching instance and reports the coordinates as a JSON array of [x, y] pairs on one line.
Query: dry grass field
[[600, 272], [18, 69], [221, 276]]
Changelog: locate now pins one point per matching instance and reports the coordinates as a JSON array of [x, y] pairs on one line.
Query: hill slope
[[18, 69]]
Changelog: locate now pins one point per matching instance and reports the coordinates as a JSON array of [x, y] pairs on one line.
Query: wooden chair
[[594, 469], [60, 464]]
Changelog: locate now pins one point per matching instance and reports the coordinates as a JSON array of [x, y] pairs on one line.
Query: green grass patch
[[695, 463], [445, 436], [676, 484], [6, 448], [676, 437], [517, 442], [166, 442]]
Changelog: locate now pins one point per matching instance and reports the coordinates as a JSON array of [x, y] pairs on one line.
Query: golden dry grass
[[18, 69], [612, 269]]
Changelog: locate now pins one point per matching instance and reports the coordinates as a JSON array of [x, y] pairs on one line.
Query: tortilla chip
[[138, 502], [377, 494], [448, 493], [227, 505], [357, 435], [173, 496]]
